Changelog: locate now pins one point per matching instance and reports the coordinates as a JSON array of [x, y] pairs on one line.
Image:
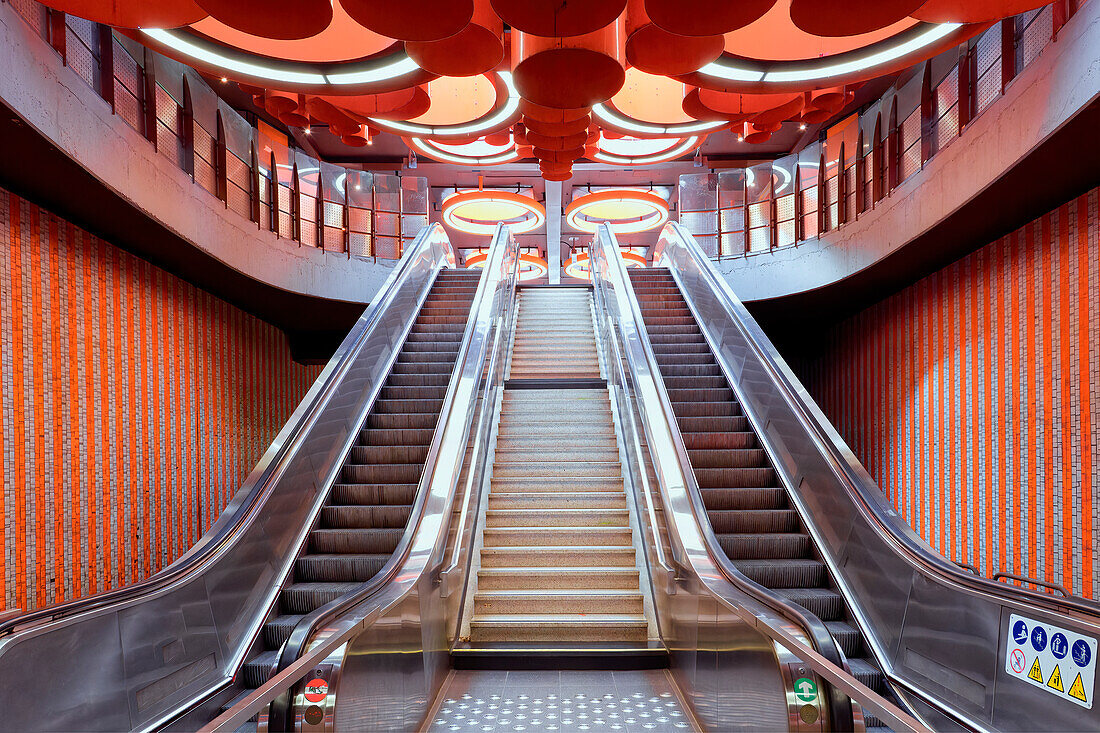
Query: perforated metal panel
[[760, 240], [785, 233], [307, 213], [205, 155], [729, 244], [334, 239], [129, 88], [731, 220], [946, 127], [33, 13], [359, 244], [784, 208], [82, 49], [910, 143], [286, 223], [1033, 31], [264, 193]]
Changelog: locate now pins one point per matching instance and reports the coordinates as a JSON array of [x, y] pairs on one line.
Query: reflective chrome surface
[[398, 628], [937, 631], [133, 658]]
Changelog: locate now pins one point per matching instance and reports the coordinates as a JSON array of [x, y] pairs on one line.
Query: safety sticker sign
[[1061, 662]]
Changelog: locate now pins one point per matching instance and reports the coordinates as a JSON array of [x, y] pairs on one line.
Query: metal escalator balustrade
[[365, 515], [174, 643], [936, 632], [746, 504]]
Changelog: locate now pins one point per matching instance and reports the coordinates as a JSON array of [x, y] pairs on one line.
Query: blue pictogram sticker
[[1059, 647], [1039, 638], [1019, 632], [1082, 655]]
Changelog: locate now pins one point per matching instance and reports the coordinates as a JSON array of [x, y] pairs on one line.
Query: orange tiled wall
[[972, 398], [133, 406]]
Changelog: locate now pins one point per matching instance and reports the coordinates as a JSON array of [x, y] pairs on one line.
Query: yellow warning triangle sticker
[[1077, 689], [1036, 672], [1055, 681]]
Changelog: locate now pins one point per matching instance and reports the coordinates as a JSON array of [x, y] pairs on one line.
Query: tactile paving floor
[[535, 701]]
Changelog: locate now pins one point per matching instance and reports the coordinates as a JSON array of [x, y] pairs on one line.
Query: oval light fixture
[[626, 210], [577, 266], [531, 266], [479, 212]]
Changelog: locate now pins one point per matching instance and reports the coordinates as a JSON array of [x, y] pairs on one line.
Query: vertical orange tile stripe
[[986, 257], [1085, 349], [144, 408], [1066, 366], [186, 382], [119, 448], [38, 455], [19, 478], [105, 393], [57, 449], [941, 388], [75, 452], [1049, 371], [1015, 384], [1001, 250], [1031, 367]]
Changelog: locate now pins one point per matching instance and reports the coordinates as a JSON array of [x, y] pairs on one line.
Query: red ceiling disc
[[767, 127], [524, 151], [285, 20], [591, 151], [135, 13], [705, 17], [386, 104], [698, 110], [815, 115], [412, 20], [356, 140], [499, 138], [564, 175], [973, 11], [558, 18], [830, 99], [554, 129], [549, 142], [559, 156], [276, 102], [849, 17], [656, 51], [551, 114], [732, 103], [476, 49], [592, 76], [758, 137], [781, 112]]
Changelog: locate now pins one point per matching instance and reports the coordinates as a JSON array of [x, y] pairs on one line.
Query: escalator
[[364, 518], [749, 510]]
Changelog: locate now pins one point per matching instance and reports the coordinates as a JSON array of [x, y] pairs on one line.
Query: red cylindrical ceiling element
[[849, 17], [525, 151], [553, 129], [654, 50], [557, 143], [973, 11], [830, 99], [572, 72], [476, 49], [519, 133], [756, 136], [559, 156], [134, 13], [280, 19], [357, 139], [412, 20], [815, 115], [558, 18], [551, 114], [499, 138], [692, 106], [276, 102], [775, 115], [705, 17]]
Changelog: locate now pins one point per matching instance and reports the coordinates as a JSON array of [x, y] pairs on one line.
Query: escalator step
[[358, 541], [719, 441], [374, 494], [440, 337], [722, 477], [712, 423], [753, 521], [700, 381], [722, 394], [847, 637], [744, 498], [399, 421], [393, 453], [796, 573], [729, 458], [257, 670], [278, 629], [408, 406], [706, 409], [398, 473], [365, 517], [771, 545], [867, 673], [672, 371], [418, 380], [423, 367], [339, 568], [435, 346], [394, 392], [412, 436], [824, 603], [306, 597]]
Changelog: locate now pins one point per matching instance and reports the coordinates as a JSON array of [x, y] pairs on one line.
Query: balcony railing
[[861, 159], [283, 191]]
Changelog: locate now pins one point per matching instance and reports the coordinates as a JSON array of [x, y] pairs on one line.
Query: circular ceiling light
[[644, 151], [626, 210], [476, 153], [577, 266], [531, 266], [479, 212]]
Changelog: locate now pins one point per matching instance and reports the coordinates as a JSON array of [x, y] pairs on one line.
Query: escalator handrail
[[853, 475], [248, 500], [632, 329], [492, 279]]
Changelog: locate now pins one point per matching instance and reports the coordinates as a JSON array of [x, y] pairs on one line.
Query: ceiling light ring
[[390, 70], [533, 216], [575, 213], [504, 113], [428, 147], [531, 267], [577, 266], [734, 73], [683, 148], [615, 119]]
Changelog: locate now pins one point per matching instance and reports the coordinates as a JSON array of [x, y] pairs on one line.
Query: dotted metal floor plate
[[536, 701]]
